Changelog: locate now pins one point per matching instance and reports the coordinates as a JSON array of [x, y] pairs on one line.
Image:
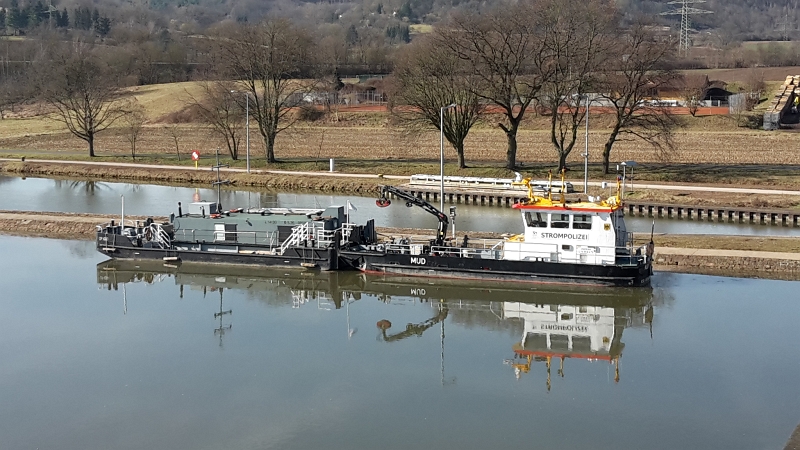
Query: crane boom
[[412, 200], [416, 329]]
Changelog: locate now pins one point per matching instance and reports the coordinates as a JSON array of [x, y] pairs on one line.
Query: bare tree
[[220, 109], [267, 59], [755, 84], [693, 87], [133, 120], [13, 90], [175, 133], [506, 56], [428, 77], [579, 38], [80, 88], [635, 74]]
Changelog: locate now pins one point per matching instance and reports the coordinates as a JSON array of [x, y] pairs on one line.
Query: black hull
[[117, 247], [637, 274]]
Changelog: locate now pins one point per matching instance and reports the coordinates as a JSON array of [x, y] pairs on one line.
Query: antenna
[[684, 11]]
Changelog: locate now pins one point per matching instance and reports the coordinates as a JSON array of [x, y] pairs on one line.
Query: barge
[[307, 238]]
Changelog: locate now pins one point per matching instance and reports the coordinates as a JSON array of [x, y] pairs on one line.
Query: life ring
[[215, 216]]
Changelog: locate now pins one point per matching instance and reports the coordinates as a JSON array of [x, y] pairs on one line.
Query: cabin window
[[559, 342], [566, 248], [582, 222], [559, 221], [581, 344], [536, 220]]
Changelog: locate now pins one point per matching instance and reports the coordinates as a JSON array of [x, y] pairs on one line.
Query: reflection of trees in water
[[80, 249], [232, 198], [86, 186]]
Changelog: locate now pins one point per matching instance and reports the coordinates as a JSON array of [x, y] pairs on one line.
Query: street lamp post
[[441, 154], [247, 127], [586, 151]]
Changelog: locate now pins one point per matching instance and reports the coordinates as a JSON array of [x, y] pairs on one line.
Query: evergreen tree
[[83, 18], [62, 20], [405, 11], [16, 19], [352, 35], [103, 26], [36, 14]]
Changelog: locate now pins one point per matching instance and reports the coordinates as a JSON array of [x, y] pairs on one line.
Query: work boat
[[286, 237], [583, 242]]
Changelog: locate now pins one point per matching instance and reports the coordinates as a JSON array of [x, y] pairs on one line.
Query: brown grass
[[708, 149]]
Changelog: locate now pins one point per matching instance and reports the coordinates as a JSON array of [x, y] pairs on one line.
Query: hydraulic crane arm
[[416, 329], [412, 200]]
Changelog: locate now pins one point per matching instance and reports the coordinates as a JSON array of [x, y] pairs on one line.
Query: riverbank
[[740, 256]]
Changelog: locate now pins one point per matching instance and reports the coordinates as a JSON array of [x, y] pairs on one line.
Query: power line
[[685, 10]]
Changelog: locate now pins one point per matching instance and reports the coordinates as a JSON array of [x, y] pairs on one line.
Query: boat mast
[[219, 182]]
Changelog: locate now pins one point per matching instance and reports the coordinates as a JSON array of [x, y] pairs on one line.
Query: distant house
[[699, 88], [716, 94]]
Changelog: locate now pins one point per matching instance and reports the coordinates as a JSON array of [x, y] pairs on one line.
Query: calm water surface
[[40, 194], [100, 356]]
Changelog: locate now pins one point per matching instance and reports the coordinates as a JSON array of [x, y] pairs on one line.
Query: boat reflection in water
[[591, 332], [555, 324]]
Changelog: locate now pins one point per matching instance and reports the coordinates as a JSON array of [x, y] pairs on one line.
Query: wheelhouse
[[591, 232]]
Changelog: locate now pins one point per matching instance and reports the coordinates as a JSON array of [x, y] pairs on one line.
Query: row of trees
[[554, 56], [21, 19], [557, 56]]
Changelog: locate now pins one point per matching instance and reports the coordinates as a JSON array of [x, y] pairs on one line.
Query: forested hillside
[[730, 20], [160, 41]]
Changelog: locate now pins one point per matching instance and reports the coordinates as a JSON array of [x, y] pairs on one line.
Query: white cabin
[[583, 233], [564, 330]]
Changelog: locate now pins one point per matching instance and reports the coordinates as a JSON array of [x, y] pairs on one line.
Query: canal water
[[100, 355], [40, 194]]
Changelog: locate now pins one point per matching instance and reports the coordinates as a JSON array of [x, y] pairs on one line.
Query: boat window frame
[[542, 221], [582, 224], [562, 224]]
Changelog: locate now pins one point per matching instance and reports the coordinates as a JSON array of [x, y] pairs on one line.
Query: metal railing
[[549, 252], [299, 234], [160, 235], [312, 234]]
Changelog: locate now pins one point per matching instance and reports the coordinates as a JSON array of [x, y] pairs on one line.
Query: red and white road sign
[[195, 155]]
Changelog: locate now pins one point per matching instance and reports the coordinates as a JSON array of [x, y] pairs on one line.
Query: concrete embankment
[[746, 263], [729, 262]]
